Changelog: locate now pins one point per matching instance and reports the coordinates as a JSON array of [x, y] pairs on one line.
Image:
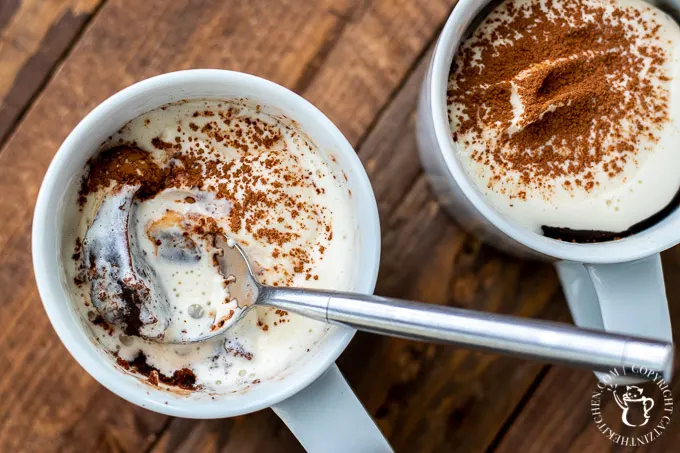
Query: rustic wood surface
[[361, 62], [34, 36]]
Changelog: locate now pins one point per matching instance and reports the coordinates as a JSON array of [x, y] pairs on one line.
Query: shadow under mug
[[614, 286], [312, 398]]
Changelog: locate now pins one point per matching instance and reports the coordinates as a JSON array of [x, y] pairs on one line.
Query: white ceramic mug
[[616, 286], [313, 398]]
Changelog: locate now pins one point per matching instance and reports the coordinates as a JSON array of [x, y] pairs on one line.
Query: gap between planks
[[19, 118], [521, 404]]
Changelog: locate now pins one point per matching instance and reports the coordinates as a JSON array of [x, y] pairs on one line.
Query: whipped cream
[[267, 186], [646, 180]]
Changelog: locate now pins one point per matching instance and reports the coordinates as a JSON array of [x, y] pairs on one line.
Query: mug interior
[[654, 239], [85, 141]]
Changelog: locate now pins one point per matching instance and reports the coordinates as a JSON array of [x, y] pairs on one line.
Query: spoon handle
[[546, 341]]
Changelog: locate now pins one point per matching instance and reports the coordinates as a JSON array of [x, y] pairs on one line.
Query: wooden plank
[[346, 57], [569, 427], [261, 432], [34, 35]]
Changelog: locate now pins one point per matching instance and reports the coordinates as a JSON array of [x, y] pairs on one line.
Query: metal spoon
[[541, 340], [125, 292]]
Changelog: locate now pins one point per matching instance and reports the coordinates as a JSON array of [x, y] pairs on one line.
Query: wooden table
[[361, 62]]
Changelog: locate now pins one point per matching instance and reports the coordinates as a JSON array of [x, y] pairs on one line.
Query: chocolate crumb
[[183, 378]]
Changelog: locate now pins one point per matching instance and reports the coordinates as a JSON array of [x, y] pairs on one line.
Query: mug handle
[[326, 417], [627, 298]]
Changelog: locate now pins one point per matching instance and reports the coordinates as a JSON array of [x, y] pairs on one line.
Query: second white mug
[[312, 398], [615, 286]]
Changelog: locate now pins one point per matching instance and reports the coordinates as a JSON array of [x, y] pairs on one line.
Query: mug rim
[[76, 341], [654, 239]]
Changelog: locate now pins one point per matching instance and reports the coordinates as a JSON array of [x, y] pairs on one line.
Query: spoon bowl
[[241, 282], [125, 287]]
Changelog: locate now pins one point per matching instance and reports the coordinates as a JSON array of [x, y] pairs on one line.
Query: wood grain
[[34, 35], [261, 432], [355, 60], [347, 57], [553, 421]]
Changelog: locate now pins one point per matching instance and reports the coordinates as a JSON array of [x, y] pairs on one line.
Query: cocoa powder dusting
[[122, 165], [256, 182], [580, 75]]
